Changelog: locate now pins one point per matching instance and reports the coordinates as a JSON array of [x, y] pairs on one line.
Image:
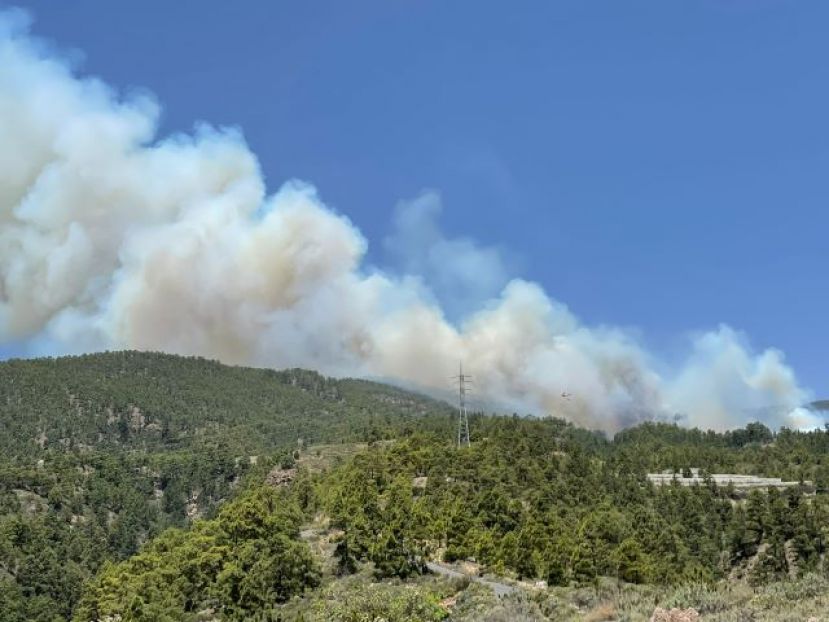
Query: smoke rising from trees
[[112, 237]]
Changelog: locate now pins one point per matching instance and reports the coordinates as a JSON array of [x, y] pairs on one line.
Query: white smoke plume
[[460, 273], [111, 237]]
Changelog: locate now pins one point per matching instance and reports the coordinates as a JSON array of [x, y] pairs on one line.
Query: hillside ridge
[[153, 400]]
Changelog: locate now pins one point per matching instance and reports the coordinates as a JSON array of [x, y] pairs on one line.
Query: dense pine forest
[[101, 453], [141, 486]]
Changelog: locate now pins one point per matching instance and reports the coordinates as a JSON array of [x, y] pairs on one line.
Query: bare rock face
[[137, 420], [280, 477], [674, 615], [192, 509]]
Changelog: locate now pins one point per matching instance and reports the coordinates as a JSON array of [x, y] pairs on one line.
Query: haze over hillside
[[114, 237], [413, 312]]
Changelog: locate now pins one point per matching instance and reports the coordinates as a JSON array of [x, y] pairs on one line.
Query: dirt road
[[500, 589]]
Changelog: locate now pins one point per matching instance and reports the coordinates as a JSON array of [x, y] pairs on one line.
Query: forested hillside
[[151, 487], [530, 500], [100, 453], [136, 400]]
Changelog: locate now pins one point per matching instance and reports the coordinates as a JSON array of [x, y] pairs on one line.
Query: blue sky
[[657, 165]]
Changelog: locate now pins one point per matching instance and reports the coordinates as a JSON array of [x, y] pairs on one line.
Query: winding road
[[500, 589]]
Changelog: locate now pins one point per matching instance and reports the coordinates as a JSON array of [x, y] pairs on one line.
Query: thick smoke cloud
[[113, 238]]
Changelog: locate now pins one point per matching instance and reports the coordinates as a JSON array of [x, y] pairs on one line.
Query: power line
[[463, 419]]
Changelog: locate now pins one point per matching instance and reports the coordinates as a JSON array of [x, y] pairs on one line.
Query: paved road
[[500, 589]]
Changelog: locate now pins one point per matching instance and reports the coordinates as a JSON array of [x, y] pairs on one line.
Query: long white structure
[[740, 482]]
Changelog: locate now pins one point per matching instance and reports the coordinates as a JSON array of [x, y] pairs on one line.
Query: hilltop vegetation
[[530, 500], [138, 400], [101, 453], [534, 500], [134, 485]]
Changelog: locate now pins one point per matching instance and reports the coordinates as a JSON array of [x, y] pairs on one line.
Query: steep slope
[[531, 503], [101, 453], [154, 401]]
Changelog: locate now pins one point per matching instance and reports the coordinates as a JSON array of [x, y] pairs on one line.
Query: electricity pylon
[[463, 419]]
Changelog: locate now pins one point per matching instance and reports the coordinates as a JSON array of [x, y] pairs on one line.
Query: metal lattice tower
[[463, 419]]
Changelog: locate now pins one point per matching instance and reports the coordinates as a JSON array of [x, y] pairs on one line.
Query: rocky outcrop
[[280, 477], [791, 559]]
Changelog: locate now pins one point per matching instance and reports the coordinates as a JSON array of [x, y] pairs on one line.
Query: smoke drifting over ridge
[[113, 238]]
